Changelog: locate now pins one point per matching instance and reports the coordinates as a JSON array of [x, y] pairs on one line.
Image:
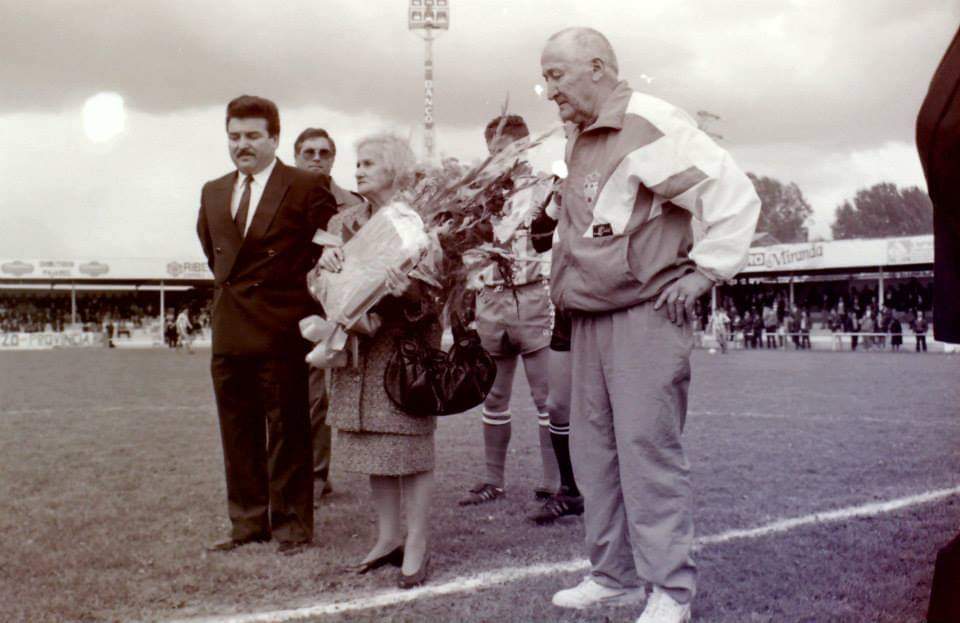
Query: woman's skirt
[[384, 454]]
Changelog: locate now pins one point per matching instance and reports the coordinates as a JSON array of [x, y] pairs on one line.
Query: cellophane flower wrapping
[[394, 237]]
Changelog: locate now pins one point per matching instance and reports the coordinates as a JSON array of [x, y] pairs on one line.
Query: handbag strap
[[457, 327]]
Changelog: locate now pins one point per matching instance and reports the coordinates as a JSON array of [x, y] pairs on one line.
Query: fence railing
[[804, 340]]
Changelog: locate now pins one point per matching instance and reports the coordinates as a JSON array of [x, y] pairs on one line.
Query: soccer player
[[513, 320]]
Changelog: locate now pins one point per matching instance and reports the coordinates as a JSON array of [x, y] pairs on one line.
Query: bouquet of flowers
[[440, 230], [466, 210]]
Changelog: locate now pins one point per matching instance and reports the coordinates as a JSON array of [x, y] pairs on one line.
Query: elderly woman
[[374, 437]]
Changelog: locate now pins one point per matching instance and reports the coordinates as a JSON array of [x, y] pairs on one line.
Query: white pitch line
[[870, 509], [505, 575], [838, 418]]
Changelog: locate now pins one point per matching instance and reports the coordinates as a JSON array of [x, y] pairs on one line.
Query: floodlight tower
[[428, 16]]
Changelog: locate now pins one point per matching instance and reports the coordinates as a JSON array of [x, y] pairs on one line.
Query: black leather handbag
[[424, 381]]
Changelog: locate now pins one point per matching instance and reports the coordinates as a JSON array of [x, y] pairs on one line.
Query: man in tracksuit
[[625, 264]]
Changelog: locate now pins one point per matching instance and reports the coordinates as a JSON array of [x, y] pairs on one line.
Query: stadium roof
[[104, 270]]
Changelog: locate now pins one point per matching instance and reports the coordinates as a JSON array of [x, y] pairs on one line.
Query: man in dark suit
[[938, 141], [256, 226]]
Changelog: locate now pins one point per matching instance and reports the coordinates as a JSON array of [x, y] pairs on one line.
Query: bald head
[[580, 71], [585, 45]]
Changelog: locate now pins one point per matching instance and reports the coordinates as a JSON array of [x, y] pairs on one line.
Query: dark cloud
[[814, 71], [819, 92], [828, 76]]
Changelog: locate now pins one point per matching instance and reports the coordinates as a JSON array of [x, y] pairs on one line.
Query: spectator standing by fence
[[896, 333], [746, 325], [852, 326], [920, 331], [770, 324], [867, 325], [884, 317], [184, 330], [757, 329], [736, 329], [721, 323], [793, 327], [804, 326], [783, 328]]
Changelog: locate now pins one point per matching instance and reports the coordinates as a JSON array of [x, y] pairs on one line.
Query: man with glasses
[[315, 151]]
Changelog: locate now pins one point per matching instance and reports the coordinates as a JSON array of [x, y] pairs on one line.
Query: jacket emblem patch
[[591, 186]]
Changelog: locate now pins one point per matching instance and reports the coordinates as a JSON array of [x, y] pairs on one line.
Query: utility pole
[[428, 16]]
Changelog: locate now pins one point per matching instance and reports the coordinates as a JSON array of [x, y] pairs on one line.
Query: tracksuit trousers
[[632, 373]]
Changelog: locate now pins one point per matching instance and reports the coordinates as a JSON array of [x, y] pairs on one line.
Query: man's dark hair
[[253, 107], [514, 126], [310, 133]]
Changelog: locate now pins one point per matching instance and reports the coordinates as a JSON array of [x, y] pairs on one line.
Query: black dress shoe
[[291, 548], [394, 557], [418, 578], [228, 545]]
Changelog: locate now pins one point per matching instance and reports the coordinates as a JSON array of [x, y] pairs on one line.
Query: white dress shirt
[[256, 191]]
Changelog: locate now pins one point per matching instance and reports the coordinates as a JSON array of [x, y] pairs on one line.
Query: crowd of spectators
[[761, 316], [819, 298], [758, 315], [45, 311]]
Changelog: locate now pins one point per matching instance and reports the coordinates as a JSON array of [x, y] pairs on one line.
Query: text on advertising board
[[784, 258], [30, 341]]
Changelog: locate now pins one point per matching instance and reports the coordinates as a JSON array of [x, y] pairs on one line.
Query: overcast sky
[[823, 93]]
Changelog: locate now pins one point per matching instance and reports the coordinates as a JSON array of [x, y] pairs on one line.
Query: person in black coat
[[256, 226], [938, 141]]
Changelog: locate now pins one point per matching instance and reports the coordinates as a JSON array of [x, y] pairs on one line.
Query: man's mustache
[[245, 152]]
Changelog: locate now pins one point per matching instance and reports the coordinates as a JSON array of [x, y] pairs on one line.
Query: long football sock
[[551, 472], [496, 439], [560, 436]]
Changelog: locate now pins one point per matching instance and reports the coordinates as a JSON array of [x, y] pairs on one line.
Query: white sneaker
[[588, 593], [661, 608]]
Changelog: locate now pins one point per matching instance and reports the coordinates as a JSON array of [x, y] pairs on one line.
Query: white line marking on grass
[[482, 580], [836, 418], [841, 514], [506, 575]]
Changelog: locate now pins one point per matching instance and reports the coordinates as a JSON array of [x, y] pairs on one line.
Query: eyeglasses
[[309, 153]]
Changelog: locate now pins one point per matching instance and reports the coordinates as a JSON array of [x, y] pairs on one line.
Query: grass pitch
[[112, 481]]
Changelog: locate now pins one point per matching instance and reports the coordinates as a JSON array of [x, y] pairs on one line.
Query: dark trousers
[[853, 341], [922, 343], [267, 451]]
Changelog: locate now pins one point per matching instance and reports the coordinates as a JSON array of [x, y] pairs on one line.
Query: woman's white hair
[[395, 154]]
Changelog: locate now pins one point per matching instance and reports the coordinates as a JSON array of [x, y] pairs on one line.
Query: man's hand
[[332, 259], [680, 296]]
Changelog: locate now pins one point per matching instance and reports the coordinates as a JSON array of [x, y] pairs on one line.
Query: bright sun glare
[[103, 117]]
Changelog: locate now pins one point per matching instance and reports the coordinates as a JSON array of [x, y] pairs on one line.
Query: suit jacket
[[260, 289], [344, 198], [938, 141]]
